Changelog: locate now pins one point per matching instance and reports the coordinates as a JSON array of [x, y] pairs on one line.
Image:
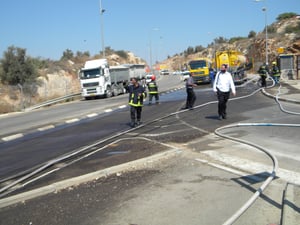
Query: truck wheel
[[108, 92]]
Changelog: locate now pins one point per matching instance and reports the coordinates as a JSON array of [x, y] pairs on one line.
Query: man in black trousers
[[223, 84], [191, 97]]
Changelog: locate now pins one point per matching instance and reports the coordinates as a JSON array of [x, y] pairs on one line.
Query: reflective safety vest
[[152, 87], [262, 71], [275, 71], [136, 95]]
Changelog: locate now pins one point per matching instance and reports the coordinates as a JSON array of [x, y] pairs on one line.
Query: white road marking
[[46, 128], [92, 115], [12, 137], [72, 120]]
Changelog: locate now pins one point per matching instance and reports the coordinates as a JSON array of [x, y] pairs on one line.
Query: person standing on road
[[263, 72], [153, 90], [275, 72], [212, 75], [191, 97], [223, 84], [136, 98]]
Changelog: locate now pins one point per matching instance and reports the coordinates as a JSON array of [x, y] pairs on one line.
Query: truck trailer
[[121, 75], [236, 61]]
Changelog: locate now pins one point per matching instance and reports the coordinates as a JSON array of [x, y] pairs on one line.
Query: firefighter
[[275, 72], [136, 98], [263, 72], [153, 90]]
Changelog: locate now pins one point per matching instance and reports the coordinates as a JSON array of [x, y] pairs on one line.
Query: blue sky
[[46, 28]]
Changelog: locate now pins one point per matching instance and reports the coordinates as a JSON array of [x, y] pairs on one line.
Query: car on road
[[185, 75], [164, 72]]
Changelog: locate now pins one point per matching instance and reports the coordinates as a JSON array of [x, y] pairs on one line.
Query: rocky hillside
[[252, 47]]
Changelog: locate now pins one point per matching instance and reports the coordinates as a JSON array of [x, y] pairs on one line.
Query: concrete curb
[[55, 187], [279, 98], [291, 205]]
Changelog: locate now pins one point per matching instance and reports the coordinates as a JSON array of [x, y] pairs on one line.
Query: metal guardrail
[[52, 101]]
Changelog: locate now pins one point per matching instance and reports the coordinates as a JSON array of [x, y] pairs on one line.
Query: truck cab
[[95, 79]]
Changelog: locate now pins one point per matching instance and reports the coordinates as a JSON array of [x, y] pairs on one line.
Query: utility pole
[[102, 33], [264, 9]]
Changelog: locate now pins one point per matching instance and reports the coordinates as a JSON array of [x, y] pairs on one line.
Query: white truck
[[95, 79], [98, 79]]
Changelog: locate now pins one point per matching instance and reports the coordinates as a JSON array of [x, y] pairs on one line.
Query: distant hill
[[284, 33]]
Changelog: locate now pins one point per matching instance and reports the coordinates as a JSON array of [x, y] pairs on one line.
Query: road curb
[[291, 205], [58, 186]]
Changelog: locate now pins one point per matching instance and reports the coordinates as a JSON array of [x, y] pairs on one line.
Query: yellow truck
[[236, 61], [199, 68]]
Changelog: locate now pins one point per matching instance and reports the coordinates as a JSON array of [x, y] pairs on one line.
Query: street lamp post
[[266, 29], [150, 46], [102, 33], [264, 9]]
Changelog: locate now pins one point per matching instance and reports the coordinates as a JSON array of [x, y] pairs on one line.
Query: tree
[[251, 34], [17, 68], [284, 16], [220, 40], [190, 50], [122, 54], [199, 48], [67, 55]]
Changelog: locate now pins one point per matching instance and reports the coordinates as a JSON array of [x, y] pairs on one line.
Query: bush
[[16, 68], [293, 29]]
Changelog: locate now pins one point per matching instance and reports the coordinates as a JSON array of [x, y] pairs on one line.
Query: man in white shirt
[[223, 84]]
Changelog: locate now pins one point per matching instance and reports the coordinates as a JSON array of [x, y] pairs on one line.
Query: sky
[[151, 29]]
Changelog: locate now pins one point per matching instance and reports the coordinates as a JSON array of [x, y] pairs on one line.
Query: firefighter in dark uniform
[[275, 72], [136, 98], [263, 72], [153, 90]]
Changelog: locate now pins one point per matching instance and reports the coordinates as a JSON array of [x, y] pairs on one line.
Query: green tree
[[122, 54], [67, 55], [251, 34], [220, 40], [284, 16], [190, 50], [17, 68], [199, 48]]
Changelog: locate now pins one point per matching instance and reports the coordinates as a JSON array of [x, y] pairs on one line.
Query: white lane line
[[72, 120], [12, 137], [46, 128], [122, 106], [92, 115], [108, 110]]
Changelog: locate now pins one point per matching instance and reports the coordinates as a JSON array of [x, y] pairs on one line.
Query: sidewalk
[[288, 91]]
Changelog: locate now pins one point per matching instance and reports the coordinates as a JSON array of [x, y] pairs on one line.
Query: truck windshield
[[88, 74], [197, 64]]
